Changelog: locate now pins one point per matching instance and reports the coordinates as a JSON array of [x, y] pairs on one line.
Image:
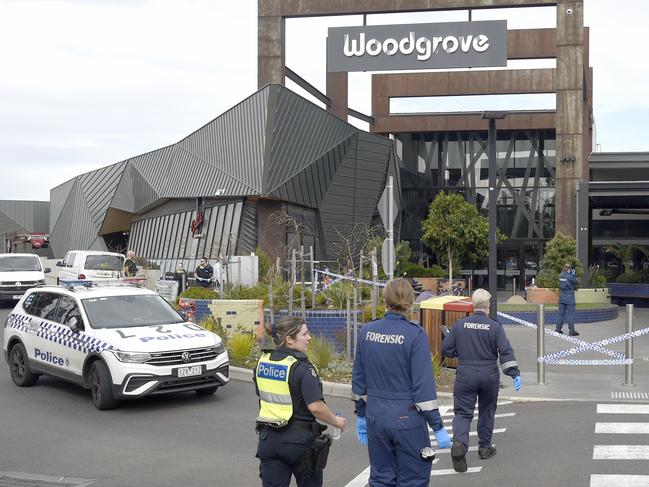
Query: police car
[[119, 341]]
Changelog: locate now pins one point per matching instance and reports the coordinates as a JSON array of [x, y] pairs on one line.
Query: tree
[[625, 254], [559, 251], [455, 230]]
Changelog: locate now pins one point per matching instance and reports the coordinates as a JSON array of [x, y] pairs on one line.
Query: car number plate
[[16, 296], [190, 371]]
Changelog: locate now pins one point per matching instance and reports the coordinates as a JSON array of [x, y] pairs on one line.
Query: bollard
[[628, 348], [540, 345]]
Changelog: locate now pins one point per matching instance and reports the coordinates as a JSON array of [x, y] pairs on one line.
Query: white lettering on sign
[[477, 326], [424, 46], [373, 336]]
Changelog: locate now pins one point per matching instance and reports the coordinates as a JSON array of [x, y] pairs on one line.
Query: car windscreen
[[103, 263], [129, 311], [19, 264]]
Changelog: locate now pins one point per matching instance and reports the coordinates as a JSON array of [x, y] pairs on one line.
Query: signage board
[[417, 46]]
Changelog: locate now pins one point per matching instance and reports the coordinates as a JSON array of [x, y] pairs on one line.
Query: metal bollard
[[540, 345], [628, 348]]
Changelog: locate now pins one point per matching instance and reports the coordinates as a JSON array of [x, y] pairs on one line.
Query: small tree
[[561, 250], [455, 230]]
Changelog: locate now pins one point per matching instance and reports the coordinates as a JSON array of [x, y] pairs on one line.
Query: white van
[[90, 265], [18, 273]]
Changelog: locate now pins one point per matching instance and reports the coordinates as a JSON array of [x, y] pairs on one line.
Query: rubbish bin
[[442, 310]]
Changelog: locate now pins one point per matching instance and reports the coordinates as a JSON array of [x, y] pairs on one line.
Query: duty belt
[[478, 362]]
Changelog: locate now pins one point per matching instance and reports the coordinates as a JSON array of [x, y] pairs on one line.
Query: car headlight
[[131, 357], [219, 349], [41, 281]]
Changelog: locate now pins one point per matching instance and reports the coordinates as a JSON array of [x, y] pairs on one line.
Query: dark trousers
[[280, 452], [481, 382], [566, 314]]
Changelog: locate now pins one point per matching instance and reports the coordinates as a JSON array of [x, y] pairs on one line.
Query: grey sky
[[90, 83]]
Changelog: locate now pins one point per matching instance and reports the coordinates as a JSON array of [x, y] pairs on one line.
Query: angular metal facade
[[273, 145]]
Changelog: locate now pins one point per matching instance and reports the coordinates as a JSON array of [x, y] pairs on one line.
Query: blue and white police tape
[[556, 357], [350, 278]]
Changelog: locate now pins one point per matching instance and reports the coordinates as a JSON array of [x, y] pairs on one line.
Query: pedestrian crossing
[[442, 465], [606, 453]]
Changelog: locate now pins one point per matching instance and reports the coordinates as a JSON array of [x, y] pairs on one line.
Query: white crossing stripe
[[448, 450], [621, 452], [450, 471], [622, 428], [598, 480], [360, 480], [474, 433], [629, 395], [475, 416], [623, 408]]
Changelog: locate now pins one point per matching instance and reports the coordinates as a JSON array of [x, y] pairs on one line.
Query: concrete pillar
[[337, 91], [570, 163], [270, 43]]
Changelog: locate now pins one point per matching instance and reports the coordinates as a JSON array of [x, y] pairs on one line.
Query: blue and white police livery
[[478, 341], [119, 341], [567, 286], [394, 389]]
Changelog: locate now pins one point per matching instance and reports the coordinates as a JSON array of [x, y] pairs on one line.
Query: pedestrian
[[204, 273], [394, 392], [130, 267], [290, 401], [567, 285], [477, 341]]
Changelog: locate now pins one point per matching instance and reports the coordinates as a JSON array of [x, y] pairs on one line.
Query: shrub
[[561, 250], [598, 280], [437, 366], [321, 352], [367, 312], [214, 325], [264, 265], [410, 269], [199, 293], [630, 277], [240, 345]]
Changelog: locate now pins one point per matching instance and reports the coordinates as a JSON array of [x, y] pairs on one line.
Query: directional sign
[[383, 208], [388, 267]]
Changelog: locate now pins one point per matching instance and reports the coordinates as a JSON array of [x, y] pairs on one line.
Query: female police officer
[[290, 401], [394, 390]]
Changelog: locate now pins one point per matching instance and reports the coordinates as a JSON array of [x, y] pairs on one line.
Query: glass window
[[129, 311], [104, 263], [66, 310], [43, 306], [12, 263]]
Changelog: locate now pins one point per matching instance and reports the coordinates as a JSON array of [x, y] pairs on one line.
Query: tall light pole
[[492, 116]]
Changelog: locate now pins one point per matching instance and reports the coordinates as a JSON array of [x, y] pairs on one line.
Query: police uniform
[[130, 268], [286, 382], [567, 285], [477, 341], [204, 275], [394, 389]]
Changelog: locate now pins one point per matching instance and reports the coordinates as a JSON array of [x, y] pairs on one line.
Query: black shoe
[[487, 452], [559, 332], [458, 457], [574, 333]]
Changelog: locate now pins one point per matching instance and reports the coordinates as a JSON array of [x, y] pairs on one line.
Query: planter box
[[542, 295], [636, 294], [231, 313], [593, 295]]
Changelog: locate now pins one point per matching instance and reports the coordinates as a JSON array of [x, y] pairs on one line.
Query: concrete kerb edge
[[344, 390]]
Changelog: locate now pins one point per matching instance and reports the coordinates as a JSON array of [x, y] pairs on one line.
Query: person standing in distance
[[130, 267], [290, 401], [204, 273], [393, 387], [567, 286], [477, 341]]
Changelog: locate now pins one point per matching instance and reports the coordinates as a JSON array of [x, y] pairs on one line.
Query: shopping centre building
[[219, 190]]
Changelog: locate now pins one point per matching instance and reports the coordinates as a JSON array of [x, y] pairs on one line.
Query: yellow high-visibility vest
[[275, 402]]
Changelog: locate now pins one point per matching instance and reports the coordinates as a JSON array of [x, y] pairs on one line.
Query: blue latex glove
[[517, 383], [361, 430], [443, 440]]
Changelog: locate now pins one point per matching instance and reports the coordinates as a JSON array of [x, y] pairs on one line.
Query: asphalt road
[[185, 440]]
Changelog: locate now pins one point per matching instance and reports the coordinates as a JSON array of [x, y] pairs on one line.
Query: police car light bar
[[72, 283]]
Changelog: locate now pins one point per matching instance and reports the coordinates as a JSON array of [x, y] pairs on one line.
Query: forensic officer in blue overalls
[[567, 286], [394, 391], [290, 401], [477, 341]]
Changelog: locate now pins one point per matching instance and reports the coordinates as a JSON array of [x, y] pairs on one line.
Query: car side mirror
[[75, 324], [59, 264], [47, 270], [184, 314]]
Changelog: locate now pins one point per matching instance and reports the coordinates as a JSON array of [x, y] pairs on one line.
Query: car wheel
[[208, 391], [19, 366], [101, 387]]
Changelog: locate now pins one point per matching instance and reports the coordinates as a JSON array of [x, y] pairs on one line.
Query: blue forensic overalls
[[567, 285], [394, 388], [477, 341], [281, 450]]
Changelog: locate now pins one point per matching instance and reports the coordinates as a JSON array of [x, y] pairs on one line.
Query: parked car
[[119, 341], [18, 273], [90, 265]]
